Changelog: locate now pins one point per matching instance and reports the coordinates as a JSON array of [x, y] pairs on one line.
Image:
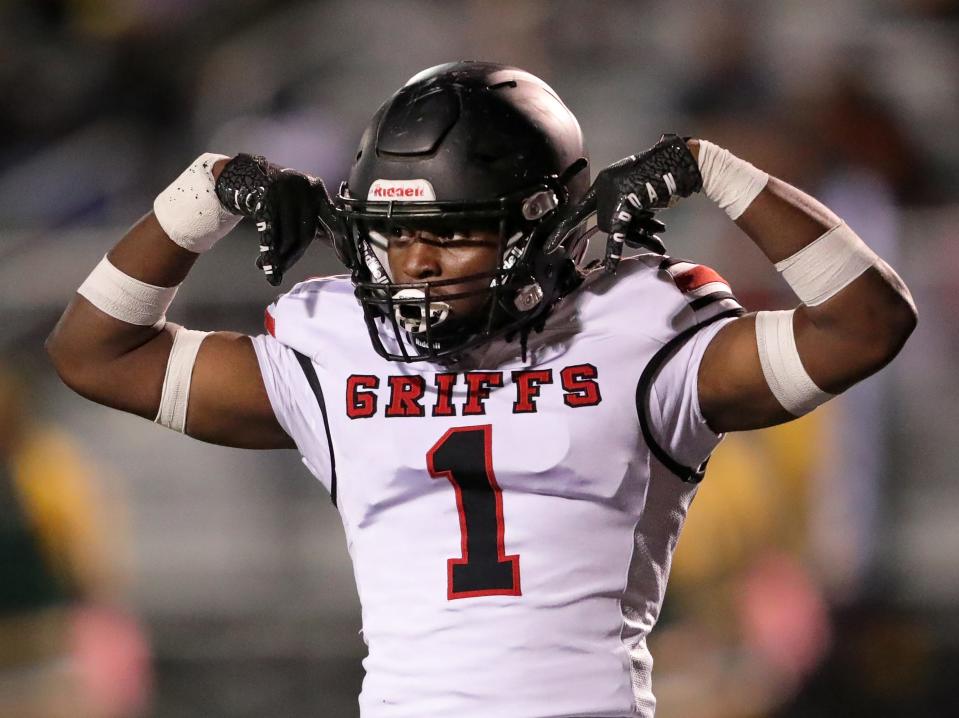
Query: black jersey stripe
[[668, 261], [307, 365], [644, 391], [701, 302]]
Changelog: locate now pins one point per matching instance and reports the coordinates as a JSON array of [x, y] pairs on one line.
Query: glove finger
[[635, 230], [573, 216], [645, 241], [270, 229], [607, 201], [641, 233], [307, 225], [290, 205], [620, 222], [291, 257], [329, 225], [655, 243], [648, 224], [309, 221], [298, 215], [268, 264]]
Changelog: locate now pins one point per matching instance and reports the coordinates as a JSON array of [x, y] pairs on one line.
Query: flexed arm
[[767, 368], [113, 346], [855, 317]]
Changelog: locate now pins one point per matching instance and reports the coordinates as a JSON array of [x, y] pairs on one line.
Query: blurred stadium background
[[146, 574]]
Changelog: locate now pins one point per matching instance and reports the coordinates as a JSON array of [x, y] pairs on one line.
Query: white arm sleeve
[[294, 404], [675, 418]]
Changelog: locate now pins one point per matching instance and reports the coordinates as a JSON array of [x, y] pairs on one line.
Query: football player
[[511, 435]]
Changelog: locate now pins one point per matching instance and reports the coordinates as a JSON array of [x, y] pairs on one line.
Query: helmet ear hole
[[528, 297]]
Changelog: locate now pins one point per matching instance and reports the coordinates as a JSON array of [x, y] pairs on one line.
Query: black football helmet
[[462, 146]]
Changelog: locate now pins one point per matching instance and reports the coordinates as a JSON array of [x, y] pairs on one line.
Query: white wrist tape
[[176, 384], [822, 268], [782, 365], [729, 181], [189, 211], [122, 297]]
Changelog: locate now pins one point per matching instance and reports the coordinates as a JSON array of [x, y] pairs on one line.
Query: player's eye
[[452, 237], [400, 236]]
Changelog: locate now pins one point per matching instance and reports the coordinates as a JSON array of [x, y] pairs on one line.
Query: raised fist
[[289, 209], [629, 190]]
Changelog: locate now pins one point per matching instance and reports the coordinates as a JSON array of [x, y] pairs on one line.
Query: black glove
[[629, 190], [289, 209]]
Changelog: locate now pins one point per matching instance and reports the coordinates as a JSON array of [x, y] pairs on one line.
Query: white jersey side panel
[[293, 404], [509, 548], [677, 419], [679, 427]]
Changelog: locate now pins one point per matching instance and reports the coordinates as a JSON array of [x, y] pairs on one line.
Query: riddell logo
[[398, 192], [416, 190]]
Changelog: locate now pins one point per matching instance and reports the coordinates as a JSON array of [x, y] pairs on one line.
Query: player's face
[[422, 256]]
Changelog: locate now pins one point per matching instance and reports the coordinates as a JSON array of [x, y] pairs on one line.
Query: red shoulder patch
[[269, 323], [697, 276]]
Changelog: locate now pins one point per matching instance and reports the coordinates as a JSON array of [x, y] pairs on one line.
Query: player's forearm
[[85, 334], [866, 323], [781, 219], [87, 340], [147, 253]]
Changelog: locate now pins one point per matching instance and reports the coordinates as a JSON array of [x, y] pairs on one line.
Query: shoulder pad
[[312, 304], [707, 293]]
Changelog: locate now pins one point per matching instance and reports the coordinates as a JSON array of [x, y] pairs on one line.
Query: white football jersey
[[511, 524]]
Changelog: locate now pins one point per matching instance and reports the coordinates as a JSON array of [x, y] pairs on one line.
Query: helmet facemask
[[418, 321]]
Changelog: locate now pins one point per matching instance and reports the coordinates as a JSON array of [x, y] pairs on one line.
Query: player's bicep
[[733, 392], [228, 402]]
